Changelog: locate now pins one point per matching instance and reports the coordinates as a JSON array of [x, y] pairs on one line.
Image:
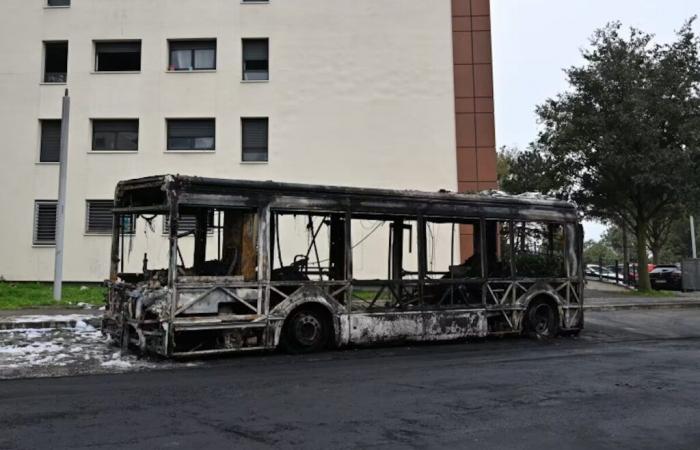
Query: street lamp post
[[61, 205]]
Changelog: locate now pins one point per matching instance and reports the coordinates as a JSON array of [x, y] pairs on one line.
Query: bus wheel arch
[[542, 317], [308, 328]]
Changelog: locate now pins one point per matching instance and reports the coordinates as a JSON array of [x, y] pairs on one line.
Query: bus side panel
[[417, 326], [447, 325], [386, 327]]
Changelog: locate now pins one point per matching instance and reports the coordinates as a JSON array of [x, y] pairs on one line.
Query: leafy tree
[[596, 252], [520, 172], [624, 141]]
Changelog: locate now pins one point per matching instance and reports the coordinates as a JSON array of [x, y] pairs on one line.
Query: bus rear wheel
[[542, 320], [305, 331]]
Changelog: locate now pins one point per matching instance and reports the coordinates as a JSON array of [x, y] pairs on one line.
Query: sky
[[534, 40]]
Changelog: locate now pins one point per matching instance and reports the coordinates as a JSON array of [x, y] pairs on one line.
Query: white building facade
[[356, 93]]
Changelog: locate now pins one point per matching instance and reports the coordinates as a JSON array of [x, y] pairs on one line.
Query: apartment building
[[376, 93]]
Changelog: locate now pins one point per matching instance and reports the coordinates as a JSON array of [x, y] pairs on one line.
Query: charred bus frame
[[241, 301]]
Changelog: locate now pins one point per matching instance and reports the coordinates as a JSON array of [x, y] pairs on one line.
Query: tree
[[520, 172], [623, 142], [596, 252]]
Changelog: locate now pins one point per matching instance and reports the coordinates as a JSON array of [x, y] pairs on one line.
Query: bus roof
[[201, 191]]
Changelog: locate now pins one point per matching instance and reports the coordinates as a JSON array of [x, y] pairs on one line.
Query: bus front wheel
[[305, 331], [542, 320]]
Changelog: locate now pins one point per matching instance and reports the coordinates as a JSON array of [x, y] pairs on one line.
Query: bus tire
[[542, 320], [306, 330]]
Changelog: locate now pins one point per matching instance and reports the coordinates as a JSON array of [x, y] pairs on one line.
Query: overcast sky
[[534, 40]]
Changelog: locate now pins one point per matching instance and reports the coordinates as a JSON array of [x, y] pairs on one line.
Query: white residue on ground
[[65, 351], [47, 318]]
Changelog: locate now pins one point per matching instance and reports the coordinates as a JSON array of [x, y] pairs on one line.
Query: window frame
[[49, 5], [36, 242], [44, 73], [106, 232], [193, 50], [169, 149], [41, 141], [244, 120], [244, 61], [93, 148], [97, 43]]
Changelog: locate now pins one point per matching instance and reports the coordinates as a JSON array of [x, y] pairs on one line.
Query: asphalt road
[[630, 381]]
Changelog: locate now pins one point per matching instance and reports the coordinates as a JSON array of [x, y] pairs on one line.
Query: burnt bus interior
[[316, 253], [417, 259]]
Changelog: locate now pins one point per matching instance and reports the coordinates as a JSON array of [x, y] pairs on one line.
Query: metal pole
[[692, 237], [625, 256], [61, 205]]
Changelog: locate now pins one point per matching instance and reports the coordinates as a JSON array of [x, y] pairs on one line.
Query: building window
[[256, 59], [193, 55], [191, 134], [187, 223], [255, 139], [45, 222], [58, 3], [115, 135], [55, 62], [99, 218], [50, 141], [118, 56]]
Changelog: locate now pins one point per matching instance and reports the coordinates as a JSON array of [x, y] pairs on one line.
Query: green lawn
[[40, 295]]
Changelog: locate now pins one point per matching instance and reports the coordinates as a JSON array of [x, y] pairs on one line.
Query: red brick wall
[[473, 69]]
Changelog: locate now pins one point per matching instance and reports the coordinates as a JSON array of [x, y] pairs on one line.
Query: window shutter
[[99, 216], [45, 223], [118, 47], [255, 49], [193, 45], [191, 128], [255, 139], [188, 223], [50, 141]]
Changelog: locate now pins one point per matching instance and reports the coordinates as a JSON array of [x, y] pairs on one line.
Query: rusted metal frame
[[142, 209], [285, 296], [511, 243], [484, 261], [313, 245], [575, 294], [264, 259], [114, 261], [379, 201], [220, 351], [567, 261], [193, 301], [236, 297], [493, 294], [348, 260], [344, 288], [376, 297], [169, 339], [422, 257], [219, 326]]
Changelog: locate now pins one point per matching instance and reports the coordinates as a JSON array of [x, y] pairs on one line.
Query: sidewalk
[[630, 303], [48, 318], [609, 297]]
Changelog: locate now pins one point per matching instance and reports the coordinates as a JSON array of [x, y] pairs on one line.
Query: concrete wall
[[361, 93]]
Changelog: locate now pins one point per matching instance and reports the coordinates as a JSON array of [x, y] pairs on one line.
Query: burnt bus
[[203, 266]]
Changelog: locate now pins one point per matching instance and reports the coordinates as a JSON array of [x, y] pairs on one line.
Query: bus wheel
[[305, 331], [542, 320]]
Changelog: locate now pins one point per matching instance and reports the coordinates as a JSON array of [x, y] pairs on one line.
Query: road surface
[[632, 380]]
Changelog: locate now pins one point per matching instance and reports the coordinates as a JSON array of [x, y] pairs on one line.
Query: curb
[[50, 324], [641, 306]]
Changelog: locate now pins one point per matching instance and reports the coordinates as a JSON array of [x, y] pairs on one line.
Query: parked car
[[594, 271], [666, 277]]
